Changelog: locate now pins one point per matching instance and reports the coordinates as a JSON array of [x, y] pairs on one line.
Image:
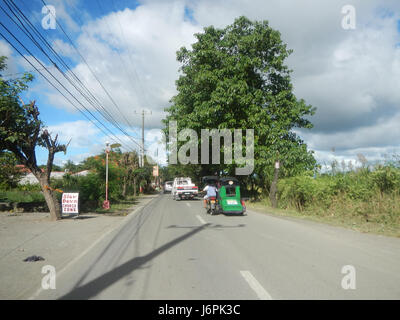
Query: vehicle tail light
[[180, 188], [195, 187]]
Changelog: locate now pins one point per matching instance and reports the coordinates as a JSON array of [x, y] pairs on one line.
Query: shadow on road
[[140, 218], [97, 285], [77, 217], [209, 226]]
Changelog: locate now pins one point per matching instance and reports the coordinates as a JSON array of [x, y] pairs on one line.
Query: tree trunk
[[253, 193], [124, 187], [51, 200], [273, 189], [134, 186]]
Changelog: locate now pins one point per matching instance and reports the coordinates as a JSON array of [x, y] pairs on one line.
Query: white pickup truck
[[184, 188]]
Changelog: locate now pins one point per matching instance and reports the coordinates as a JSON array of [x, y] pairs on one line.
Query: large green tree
[[129, 161], [9, 173], [236, 78], [21, 131]]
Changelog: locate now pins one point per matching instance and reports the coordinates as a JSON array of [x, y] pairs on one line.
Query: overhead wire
[[145, 96], [84, 60], [45, 68], [129, 54], [102, 12], [109, 117], [55, 87], [91, 99]]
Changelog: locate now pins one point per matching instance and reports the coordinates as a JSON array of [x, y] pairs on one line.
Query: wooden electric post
[[273, 189]]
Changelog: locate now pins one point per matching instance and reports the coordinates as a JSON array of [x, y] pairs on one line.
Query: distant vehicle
[[168, 186], [228, 199], [184, 188]]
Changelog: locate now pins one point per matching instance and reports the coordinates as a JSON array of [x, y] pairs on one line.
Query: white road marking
[[188, 204], [201, 219], [256, 286]]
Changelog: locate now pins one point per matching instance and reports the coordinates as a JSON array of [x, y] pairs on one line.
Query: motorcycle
[[212, 202], [211, 206]]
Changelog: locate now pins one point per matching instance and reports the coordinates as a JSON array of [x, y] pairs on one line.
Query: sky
[[351, 75]]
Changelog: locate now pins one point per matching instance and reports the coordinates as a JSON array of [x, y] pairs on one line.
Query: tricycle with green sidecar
[[228, 199]]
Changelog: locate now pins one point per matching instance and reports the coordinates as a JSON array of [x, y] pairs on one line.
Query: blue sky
[[351, 76]]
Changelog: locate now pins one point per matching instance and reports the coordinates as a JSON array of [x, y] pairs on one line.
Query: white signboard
[[70, 203], [155, 171]]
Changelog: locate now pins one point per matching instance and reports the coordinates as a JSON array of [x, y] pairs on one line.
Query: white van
[[184, 188]]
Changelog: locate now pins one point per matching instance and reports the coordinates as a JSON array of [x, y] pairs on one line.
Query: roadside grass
[[21, 196], [14, 200], [119, 208], [378, 216]]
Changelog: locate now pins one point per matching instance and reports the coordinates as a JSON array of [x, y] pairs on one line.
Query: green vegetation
[[120, 208], [125, 180], [9, 174], [21, 196], [21, 131], [236, 78], [231, 78], [367, 199]]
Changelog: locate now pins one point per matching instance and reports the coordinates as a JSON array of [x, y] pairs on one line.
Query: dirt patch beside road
[[26, 234]]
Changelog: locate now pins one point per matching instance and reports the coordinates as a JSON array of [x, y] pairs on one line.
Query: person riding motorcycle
[[211, 190]]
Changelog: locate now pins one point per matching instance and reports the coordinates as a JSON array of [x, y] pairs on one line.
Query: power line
[[83, 59], [31, 37], [38, 70], [28, 34], [137, 77], [130, 55], [102, 11], [17, 73], [57, 81]]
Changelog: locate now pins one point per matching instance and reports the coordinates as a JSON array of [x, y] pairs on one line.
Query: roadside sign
[[155, 171], [106, 204], [70, 203]]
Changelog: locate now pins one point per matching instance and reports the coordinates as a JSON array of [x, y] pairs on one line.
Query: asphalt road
[[174, 250]]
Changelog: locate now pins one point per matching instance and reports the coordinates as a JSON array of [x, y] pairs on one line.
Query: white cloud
[[133, 53], [83, 134], [64, 49], [62, 8], [12, 65], [351, 76], [385, 132]]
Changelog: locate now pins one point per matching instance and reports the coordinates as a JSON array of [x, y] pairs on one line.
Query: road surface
[[174, 250]]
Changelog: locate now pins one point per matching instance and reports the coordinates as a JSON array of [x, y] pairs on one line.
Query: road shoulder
[[58, 243], [355, 225]]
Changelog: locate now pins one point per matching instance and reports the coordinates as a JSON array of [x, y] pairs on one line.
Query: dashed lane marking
[[256, 286], [201, 219]]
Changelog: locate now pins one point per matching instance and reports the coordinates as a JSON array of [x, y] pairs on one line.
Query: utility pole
[[142, 153], [106, 203], [141, 156], [273, 189]]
